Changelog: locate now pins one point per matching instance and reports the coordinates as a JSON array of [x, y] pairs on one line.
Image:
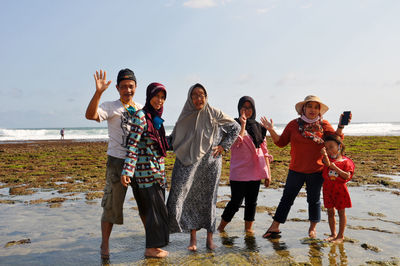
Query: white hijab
[[194, 131]]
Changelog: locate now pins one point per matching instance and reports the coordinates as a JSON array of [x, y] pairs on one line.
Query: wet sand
[[70, 234], [59, 212]]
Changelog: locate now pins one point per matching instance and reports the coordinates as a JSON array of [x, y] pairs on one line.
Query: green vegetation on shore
[[69, 166]]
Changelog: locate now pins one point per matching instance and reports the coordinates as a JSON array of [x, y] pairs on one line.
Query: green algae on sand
[[75, 166]]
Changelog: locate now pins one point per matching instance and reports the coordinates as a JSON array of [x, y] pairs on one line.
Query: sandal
[[272, 234]]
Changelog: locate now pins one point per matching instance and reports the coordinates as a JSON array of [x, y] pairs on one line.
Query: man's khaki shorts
[[114, 192]]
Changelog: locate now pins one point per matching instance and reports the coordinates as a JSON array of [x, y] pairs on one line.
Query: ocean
[[100, 133]]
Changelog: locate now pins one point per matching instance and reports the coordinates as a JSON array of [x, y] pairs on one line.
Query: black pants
[[240, 190], [152, 206], [294, 183]]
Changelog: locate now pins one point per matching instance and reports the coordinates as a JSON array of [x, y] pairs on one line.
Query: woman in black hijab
[[144, 169], [249, 165]]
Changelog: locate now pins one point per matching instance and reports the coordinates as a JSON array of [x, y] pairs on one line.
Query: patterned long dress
[[193, 196], [145, 166]]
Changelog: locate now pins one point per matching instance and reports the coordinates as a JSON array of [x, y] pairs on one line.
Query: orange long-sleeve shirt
[[305, 153]]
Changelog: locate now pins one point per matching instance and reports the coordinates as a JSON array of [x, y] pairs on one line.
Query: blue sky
[[277, 51]]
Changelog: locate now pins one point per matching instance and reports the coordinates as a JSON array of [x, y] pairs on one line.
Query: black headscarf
[[253, 128], [158, 135]]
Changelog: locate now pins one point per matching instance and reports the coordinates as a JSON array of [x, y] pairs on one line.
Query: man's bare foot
[[156, 253], [330, 238], [104, 252], [312, 234], [337, 240]]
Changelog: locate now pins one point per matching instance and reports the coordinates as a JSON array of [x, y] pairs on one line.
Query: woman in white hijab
[[199, 137]]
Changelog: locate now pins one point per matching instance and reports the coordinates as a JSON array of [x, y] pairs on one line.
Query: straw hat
[[311, 98]]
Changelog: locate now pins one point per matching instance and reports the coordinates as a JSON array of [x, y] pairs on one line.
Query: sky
[[347, 52]]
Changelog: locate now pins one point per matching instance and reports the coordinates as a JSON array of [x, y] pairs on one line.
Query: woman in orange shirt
[[305, 135]]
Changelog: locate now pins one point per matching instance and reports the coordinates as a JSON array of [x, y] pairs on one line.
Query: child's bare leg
[[193, 241], [332, 224], [342, 224]]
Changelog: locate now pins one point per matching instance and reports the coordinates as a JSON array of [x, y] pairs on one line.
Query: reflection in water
[[71, 237], [280, 247], [250, 242], [226, 240], [333, 256], [315, 254], [235, 253]]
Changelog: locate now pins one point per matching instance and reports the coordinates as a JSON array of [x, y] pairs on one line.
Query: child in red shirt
[[338, 170]]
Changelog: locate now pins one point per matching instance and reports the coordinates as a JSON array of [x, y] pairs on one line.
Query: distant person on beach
[[117, 114], [62, 133], [200, 136], [305, 135], [250, 163], [338, 170], [144, 169]]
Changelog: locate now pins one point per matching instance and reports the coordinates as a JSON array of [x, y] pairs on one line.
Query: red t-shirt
[[304, 152], [336, 194]]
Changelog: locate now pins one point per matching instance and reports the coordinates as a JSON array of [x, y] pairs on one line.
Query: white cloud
[[199, 3]]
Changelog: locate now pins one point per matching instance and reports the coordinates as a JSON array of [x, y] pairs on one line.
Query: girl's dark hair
[[338, 140]]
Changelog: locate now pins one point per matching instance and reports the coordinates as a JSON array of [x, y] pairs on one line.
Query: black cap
[[125, 74]]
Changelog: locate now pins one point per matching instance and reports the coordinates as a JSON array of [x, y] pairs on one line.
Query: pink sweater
[[247, 161]]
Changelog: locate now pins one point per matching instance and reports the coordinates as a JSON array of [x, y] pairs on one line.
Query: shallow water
[[70, 234], [395, 177]]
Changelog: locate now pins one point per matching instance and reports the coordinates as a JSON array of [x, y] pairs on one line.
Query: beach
[[50, 194]]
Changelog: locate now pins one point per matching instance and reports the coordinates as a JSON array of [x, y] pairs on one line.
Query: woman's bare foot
[[249, 231], [312, 233], [248, 227], [193, 241], [156, 253], [273, 231], [210, 242], [192, 246], [221, 226], [330, 238]]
